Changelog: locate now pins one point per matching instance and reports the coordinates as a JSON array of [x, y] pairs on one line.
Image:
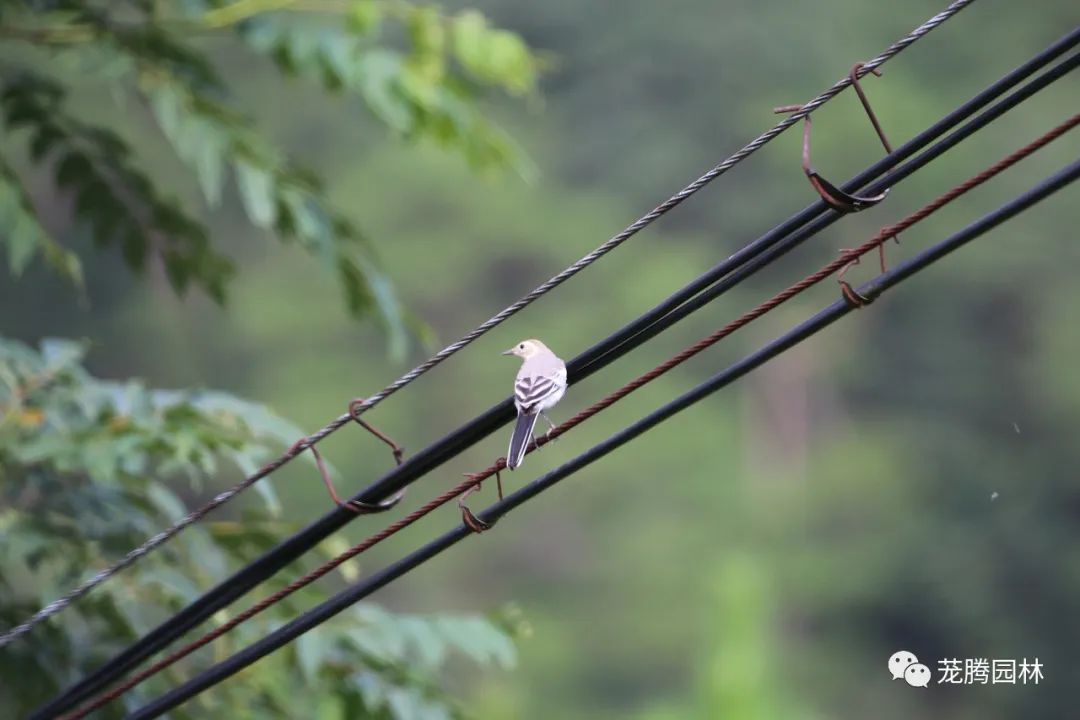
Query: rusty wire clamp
[[854, 75], [357, 506], [833, 196], [354, 412], [467, 516], [853, 296], [471, 521]]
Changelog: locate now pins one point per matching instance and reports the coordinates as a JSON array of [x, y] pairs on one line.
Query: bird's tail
[[519, 441]]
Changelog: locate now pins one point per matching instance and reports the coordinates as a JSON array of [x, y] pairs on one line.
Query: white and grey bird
[[540, 383]]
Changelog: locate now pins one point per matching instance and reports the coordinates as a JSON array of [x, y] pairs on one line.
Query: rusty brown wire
[[855, 83], [835, 197], [356, 408], [474, 479], [357, 506]]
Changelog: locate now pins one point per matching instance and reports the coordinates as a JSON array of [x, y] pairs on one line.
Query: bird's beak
[[508, 352]]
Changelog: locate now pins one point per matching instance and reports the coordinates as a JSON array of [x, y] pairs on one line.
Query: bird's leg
[[547, 420], [551, 427]]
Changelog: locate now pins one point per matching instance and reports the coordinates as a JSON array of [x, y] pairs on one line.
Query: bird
[[539, 385]]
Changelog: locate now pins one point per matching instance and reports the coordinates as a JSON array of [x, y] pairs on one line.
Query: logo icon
[[899, 662], [917, 675]]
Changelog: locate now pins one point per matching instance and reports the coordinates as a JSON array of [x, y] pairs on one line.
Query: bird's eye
[[521, 346]]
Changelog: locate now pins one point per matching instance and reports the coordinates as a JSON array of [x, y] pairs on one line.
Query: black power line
[[780, 246], [585, 364], [346, 598]]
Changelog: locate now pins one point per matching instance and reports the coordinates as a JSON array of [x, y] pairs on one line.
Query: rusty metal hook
[[357, 506], [854, 75], [833, 196], [354, 413], [853, 296], [471, 521]]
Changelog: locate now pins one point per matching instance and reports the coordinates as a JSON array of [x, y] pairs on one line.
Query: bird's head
[[526, 349]]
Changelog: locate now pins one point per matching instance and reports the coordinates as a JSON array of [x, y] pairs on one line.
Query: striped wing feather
[[530, 390]]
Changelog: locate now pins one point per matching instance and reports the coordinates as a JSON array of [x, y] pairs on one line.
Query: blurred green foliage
[[77, 458], [89, 468], [417, 69]]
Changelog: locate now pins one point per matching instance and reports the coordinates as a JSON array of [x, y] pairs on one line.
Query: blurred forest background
[[906, 480]]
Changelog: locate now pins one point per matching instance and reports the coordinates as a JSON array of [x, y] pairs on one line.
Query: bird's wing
[[530, 390]]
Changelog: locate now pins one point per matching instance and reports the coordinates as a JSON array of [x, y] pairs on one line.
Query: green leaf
[[390, 311], [177, 270], [494, 56], [372, 688], [46, 137], [167, 502], [74, 169], [166, 104], [379, 74], [256, 190], [134, 246], [201, 144], [67, 263], [426, 30], [469, 33], [24, 239], [405, 704], [511, 61], [58, 354], [170, 581], [23, 113], [358, 296], [479, 639], [246, 461], [311, 649], [377, 637], [365, 17], [97, 204], [428, 37]]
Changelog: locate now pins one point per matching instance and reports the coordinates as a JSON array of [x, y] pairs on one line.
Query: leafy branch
[[427, 86], [21, 230], [78, 458], [115, 199]]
